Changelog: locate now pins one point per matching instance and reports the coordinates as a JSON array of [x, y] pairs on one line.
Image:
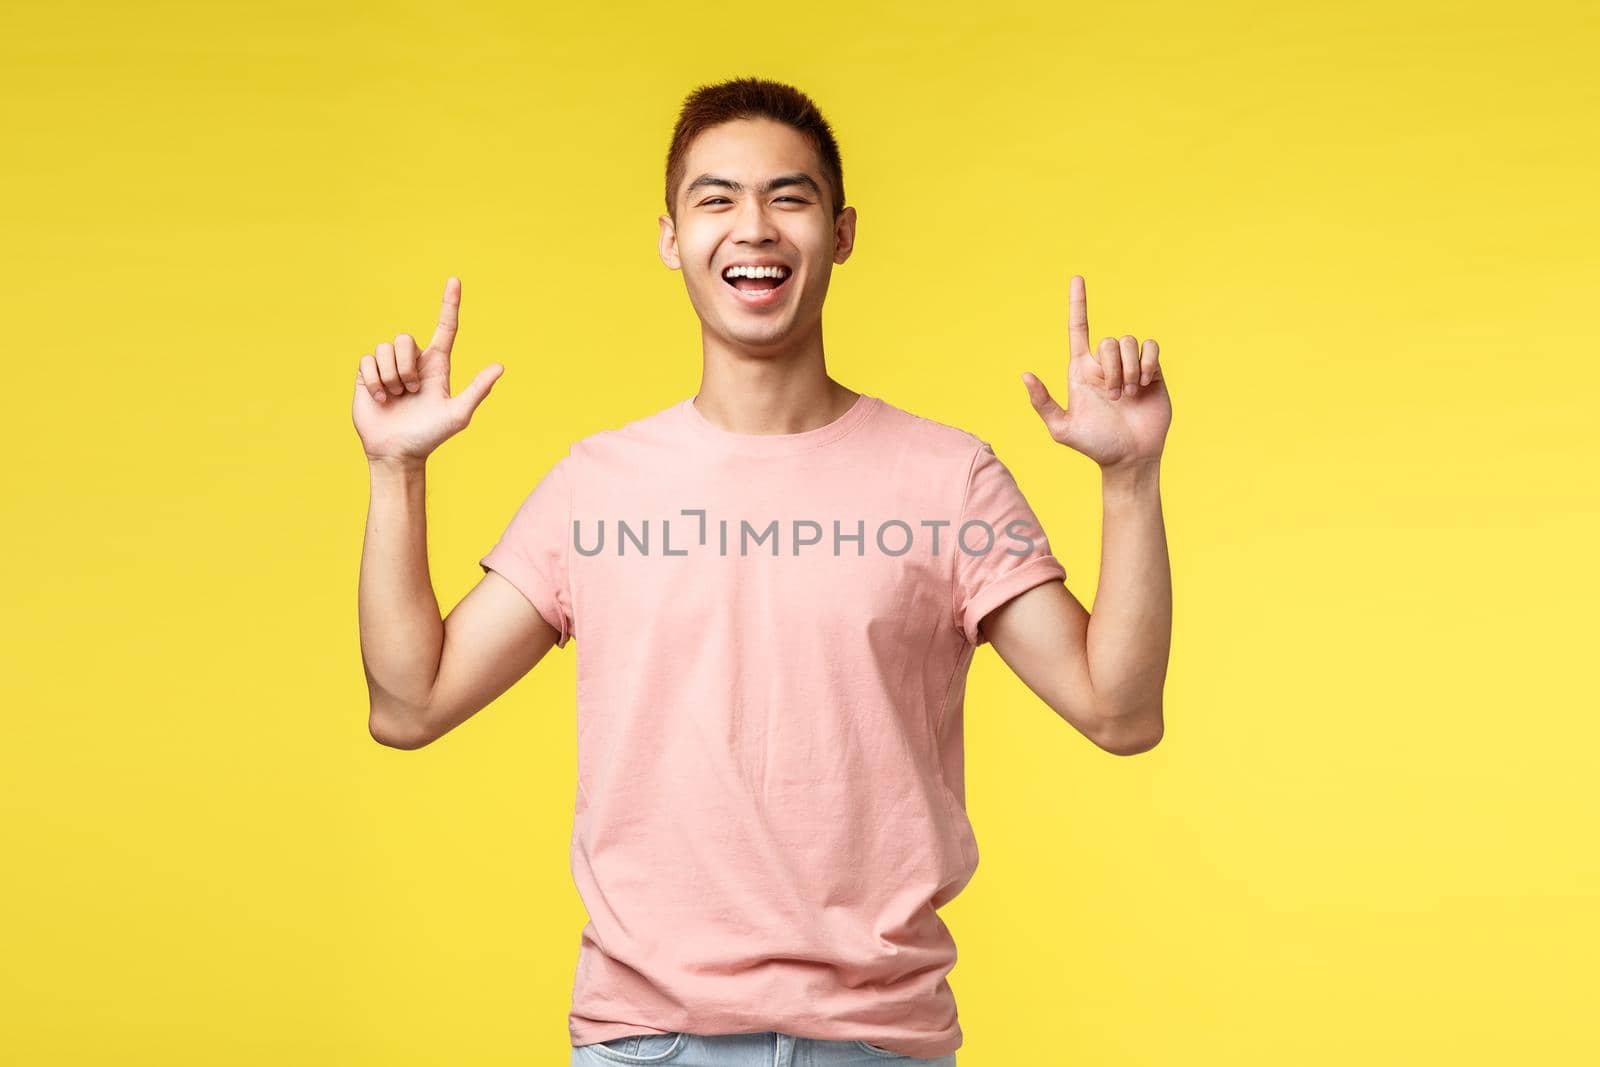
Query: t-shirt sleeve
[[532, 553], [1018, 553]]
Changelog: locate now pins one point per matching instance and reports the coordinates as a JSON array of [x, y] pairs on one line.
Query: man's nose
[[753, 225]]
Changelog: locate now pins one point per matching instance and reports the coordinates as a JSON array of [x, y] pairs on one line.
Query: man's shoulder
[[656, 429], [930, 435]]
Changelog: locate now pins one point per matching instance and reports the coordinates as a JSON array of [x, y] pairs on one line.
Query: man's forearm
[[402, 634], [1130, 627]]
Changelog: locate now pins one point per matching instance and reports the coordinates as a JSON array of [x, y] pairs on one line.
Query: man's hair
[[752, 98]]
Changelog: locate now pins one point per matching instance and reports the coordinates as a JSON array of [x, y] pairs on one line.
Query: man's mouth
[[757, 285]]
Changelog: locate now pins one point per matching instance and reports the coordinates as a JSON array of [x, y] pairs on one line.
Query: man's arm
[[1104, 673], [426, 676]]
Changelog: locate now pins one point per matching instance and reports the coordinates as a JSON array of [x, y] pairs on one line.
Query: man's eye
[[724, 200]]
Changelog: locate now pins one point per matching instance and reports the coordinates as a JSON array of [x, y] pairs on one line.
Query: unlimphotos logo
[[892, 537]]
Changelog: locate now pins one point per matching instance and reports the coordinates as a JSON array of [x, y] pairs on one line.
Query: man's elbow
[[1129, 735], [395, 731]]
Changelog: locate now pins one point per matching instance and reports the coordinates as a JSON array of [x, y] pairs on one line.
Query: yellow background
[[1364, 235]]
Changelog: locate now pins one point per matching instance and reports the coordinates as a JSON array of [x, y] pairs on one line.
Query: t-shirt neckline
[[773, 444]]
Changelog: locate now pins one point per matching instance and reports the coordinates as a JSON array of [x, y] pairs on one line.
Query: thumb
[[1054, 416], [467, 401]]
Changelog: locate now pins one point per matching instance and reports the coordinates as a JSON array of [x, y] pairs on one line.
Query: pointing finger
[[1078, 316], [444, 335]]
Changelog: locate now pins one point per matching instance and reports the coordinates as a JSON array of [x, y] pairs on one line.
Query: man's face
[[736, 206]]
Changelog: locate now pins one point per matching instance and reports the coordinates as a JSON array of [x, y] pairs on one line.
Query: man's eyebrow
[[797, 178]]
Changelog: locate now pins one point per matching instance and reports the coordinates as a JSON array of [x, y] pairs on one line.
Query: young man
[[777, 587]]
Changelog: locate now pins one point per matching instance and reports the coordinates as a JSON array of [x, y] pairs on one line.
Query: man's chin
[[758, 336]]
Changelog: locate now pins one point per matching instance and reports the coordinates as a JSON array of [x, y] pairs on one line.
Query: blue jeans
[[768, 1049]]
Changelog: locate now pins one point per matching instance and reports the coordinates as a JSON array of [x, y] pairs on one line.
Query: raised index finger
[[1078, 317], [444, 335]]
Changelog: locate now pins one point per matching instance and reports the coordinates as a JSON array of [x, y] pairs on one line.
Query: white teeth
[[756, 272]]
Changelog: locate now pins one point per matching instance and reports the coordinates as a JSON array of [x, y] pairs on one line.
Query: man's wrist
[[396, 466], [1129, 478]]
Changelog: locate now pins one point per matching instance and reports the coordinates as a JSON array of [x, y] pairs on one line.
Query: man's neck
[[778, 394]]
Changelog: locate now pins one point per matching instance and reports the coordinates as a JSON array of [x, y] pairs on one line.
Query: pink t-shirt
[[773, 634]]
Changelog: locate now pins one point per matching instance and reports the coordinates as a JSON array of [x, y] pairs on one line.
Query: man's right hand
[[403, 409]]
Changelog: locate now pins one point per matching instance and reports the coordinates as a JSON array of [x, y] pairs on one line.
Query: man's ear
[[668, 243], [844, 234]]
